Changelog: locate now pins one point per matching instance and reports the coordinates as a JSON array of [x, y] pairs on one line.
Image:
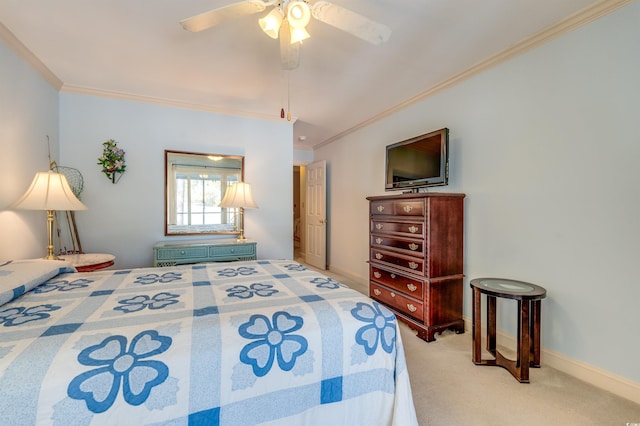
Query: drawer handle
[[413, 229], [407, 209], [181, 251], [413, 246], [378, 240], [393, 276], [379, 256], [377, 292], [393, 294], [380, 208], [377, 274], [412, 287], [379, 226], [411, 307], [413, 265], [232, 250]]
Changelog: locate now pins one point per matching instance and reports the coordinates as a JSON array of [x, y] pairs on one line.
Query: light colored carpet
[[449, 390]]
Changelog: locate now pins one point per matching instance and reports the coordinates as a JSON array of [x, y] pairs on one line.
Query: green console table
[[198, 251]]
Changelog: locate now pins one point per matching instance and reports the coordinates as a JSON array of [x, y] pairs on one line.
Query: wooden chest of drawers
[[416, 259]]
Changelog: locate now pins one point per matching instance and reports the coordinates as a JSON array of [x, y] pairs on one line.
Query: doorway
[[299, 195], [309, 214]]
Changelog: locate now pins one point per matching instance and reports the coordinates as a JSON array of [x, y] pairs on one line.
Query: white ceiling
[[136, 49]]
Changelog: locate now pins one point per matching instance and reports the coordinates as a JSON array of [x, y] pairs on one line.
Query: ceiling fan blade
[[214, 17], [351, 22], [289, 53]]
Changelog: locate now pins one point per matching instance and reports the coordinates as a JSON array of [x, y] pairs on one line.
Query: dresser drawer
[[398, 282], [398, 228], [408, 263], [410, 207], [414, 247], [406, 305], [181, 253], [382, 207]]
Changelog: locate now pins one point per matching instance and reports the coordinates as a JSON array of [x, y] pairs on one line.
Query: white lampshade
[[298, 14], [270, 24], [239, 195], [49, 191], [298, 34]]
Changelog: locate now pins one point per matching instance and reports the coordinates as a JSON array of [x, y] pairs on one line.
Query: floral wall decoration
[[112, 161]]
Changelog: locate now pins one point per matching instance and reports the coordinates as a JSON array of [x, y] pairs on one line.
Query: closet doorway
[[299, 194], [309, 214]]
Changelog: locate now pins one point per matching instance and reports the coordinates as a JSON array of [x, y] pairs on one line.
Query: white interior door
[[316, 216]]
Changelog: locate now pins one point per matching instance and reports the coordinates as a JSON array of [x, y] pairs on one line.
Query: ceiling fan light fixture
[[270, 23], [299, 34], [298, 14]]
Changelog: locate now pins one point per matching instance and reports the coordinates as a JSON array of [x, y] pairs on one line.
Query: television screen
[[418, 162]]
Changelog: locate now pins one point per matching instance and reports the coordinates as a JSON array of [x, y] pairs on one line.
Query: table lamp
[[49, 191], [239, 196]]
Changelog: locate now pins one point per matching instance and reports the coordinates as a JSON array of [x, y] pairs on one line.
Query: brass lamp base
[[50, 247], [241, 236]]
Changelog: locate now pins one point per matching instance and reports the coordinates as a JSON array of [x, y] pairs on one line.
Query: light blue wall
[[127, 218], [546, 148], [302, 157], [28, 113]]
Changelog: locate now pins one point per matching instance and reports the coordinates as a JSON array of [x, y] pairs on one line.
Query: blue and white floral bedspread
[[242, 343]]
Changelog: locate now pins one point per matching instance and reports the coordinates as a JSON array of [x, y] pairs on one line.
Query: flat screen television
[[418, 162]]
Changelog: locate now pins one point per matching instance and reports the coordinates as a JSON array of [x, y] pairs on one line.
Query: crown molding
[[583, 17], [123, 96], [26, 55]]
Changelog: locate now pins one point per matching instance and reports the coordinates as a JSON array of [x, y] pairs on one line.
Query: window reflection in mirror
[[194, 186]]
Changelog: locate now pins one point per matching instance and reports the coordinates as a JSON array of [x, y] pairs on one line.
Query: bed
[[239, 343]]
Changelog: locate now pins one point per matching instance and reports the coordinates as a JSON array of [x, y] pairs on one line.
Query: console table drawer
[[182, 253], [233, 250], [408, 306]]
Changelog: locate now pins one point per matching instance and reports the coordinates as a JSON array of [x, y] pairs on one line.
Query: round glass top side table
[[529, 297]]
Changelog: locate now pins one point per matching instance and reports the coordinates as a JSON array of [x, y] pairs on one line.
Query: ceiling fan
[[288, 20]]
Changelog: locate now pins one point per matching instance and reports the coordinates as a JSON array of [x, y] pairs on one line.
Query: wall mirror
[[194, 186]]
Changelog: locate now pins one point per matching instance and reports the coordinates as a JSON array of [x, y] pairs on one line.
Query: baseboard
[[348, 274], [595, 376]]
